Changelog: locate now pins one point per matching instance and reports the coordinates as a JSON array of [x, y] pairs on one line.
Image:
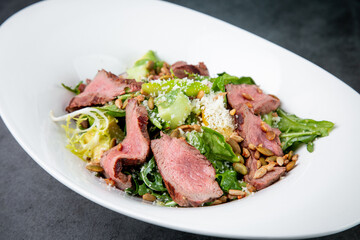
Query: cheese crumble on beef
[[215, 115]]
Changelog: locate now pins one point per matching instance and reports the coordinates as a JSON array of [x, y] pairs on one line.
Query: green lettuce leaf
[[297, 131], [75, 89], [113, 110], [224, 78], [212, 144], [196, 140], [216, 146], [228, 180], [151, 176]]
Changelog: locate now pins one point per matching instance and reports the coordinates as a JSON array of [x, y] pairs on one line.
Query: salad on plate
[[176, 136]]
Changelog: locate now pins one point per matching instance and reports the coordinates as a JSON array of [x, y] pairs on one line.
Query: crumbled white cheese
[[207, 83], [276, 119], [215, 115]]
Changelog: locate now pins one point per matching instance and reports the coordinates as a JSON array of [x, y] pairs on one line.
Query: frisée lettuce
[[90, 143]]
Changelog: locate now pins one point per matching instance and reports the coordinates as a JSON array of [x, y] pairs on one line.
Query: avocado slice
[[143, 66], [174, 107]]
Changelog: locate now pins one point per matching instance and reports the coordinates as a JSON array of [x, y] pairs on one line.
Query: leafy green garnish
[[156, 120], [143, 189], [269, 119], [216, 146], [75, 89], [296, 131], [113, 110], [151, 176], [228, 180], [196, 140], [148, 180], [212, 144], [224, 78]]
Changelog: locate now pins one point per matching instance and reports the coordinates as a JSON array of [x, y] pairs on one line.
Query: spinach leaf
[[228, 180], [224, 78], [113, 110], [196, 140], [151, 176], [216, 146], [296, 131], [212, 144], [75, 89]]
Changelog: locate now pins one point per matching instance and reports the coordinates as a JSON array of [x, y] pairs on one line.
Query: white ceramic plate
[[66, 41]]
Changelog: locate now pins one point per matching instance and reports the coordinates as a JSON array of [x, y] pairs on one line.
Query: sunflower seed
[[265, 151], [247, 96], [236, 192], [148, 197], [200, 94], [290, 165], [245, 153], [118, 103], [151, 103], [94, 168], [260, 172], [280, 161]]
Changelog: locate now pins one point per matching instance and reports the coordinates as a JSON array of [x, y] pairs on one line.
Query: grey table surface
[[34, 205]]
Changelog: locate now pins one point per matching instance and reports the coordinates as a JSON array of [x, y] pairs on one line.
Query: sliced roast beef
[[189, 177], [133, 150], [104, 88], [249, 128], [181, 69], [267, 179], [243, 93]]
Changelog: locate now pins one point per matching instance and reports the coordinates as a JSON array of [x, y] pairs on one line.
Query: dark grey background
[[33, 205]]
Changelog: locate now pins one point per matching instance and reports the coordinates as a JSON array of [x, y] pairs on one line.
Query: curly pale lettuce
[[89, 143]]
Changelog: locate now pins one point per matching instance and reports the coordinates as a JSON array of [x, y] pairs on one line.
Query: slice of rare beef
[[249, 128], [181, 69], [189, 177], [104, 88], [266, 180], [133, 150], [243, 93]]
